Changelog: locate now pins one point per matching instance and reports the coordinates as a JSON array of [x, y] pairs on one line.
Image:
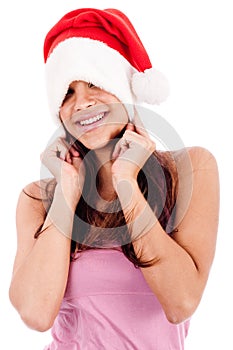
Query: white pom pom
[[150, 87]]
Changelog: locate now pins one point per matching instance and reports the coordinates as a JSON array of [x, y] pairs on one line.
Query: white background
[[191, 42]]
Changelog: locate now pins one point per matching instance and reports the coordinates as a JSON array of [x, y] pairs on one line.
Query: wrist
[[124, 180], [60, 214], [126, 189], [140, 217], [69, 196]]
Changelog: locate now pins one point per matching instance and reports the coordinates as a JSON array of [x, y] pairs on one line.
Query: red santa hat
[[101, 47]]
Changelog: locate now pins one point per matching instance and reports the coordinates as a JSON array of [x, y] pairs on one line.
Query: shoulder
[[188, 162], [32, 207], [36, 195], [198, 182], [195, 158], [37, 189]]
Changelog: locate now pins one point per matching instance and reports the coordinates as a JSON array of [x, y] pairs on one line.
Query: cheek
[[66, 108], [68, 126], [125, 118], [119, 113], [66, 121], [64, 115]]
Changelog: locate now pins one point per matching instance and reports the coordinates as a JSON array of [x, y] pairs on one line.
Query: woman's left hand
[[131, 152]]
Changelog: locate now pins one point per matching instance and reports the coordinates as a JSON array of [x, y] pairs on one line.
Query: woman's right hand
[[66, 165]]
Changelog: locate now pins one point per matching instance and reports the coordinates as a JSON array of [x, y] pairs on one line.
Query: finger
[[67, 150], [120, 147], [134, 139], [116, 150], [130, 135], [58, 152], [74, 152], [130, 126], [75, 157], [68, 158], [61, 151], [52, 162]]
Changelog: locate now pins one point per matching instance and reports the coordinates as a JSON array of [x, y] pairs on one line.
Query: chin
[[98, 145], [103, 139]]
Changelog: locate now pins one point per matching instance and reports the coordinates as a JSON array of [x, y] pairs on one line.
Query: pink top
[[109, 306]]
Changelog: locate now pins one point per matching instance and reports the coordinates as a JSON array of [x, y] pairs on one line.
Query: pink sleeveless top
[[109, 306]]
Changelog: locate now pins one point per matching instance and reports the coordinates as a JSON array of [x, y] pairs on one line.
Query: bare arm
[[41, 265], [183, 261]]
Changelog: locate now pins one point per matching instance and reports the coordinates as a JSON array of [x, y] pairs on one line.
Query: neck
[[104, 160]]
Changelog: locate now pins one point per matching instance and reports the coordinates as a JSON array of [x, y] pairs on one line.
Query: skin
[[181, 262]]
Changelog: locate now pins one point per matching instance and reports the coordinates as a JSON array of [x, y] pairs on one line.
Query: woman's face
[[92, 115]]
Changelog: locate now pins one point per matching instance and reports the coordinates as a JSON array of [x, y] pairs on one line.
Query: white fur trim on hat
[[91, 61], [150, 86]]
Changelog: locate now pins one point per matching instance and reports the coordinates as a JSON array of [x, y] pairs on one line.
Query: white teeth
[[92, 120]]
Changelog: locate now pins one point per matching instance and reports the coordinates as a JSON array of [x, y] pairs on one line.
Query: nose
[[83, 96]]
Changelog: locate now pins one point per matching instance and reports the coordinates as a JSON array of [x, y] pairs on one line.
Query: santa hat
[[101, 47]]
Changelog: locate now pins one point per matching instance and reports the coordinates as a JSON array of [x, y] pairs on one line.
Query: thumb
[[130, 126]]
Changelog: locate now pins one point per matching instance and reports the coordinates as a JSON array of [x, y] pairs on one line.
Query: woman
[[115, 250]]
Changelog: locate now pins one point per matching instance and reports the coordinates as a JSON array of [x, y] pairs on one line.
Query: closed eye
[[69, 93], [90, 85]]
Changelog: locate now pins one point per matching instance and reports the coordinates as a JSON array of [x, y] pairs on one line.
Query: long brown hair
[[157, 181]]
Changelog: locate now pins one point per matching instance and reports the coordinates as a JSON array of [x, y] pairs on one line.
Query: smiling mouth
[[92, 120]]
